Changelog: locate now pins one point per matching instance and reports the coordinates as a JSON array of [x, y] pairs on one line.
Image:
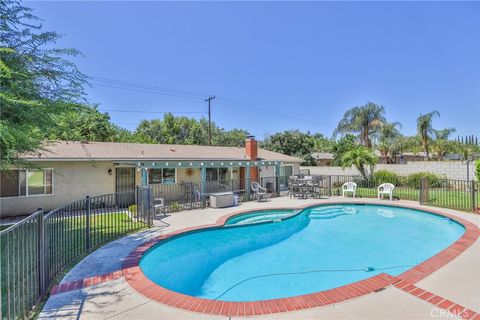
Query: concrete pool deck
[[457, 283]]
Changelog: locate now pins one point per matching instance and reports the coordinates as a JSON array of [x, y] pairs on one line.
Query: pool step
[[331, 212], [263, 218]]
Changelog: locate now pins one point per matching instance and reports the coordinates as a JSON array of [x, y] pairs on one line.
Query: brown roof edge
[[114, 151]]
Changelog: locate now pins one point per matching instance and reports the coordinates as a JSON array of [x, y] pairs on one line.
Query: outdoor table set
[[304, 188]]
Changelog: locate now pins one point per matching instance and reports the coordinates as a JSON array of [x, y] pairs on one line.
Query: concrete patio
[[457, 281]]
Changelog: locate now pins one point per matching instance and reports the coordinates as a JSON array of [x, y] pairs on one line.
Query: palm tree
[[442, 145], [387, 136], [444, 134], [360, 157], [363, 121], [425, 130]]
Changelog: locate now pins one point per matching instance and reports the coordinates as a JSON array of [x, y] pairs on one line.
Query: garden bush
[[434, 181], [174, 206], [133, 209], [385, 176]]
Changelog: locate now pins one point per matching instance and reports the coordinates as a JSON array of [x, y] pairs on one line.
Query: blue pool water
[[297, 253]]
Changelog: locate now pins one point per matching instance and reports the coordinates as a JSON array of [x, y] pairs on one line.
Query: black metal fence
[[39, 248], [447, 193], [194, 195], [35, 251]]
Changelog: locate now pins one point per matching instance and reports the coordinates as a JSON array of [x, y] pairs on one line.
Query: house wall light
[[110, 172]]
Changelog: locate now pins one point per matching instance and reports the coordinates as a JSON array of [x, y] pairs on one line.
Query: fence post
[[41, 252], [423, 190], [150, 206], [88, 243], [472, 191], [329, 186]]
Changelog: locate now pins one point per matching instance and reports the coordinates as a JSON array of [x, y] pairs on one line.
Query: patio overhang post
[[203, 184], [247, 180], [277, 178], [145, 165], [144, 173]]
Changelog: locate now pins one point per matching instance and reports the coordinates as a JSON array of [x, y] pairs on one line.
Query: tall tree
[[442, 145], [444, 134], [341, 147], [425, 130], [82, 123], [36, 80], [293, 143], [183, 130], [364, 121], [321, 143], [387, 136]]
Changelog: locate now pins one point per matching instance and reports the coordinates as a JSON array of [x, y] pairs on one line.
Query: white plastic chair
[[159, 205], [349, 187], [259, 192], [385, 188]]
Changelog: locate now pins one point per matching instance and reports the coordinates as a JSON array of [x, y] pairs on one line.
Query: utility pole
[[209, 100]]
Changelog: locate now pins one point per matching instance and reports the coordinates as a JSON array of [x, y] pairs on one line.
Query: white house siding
[[72, 180], [449, 169]]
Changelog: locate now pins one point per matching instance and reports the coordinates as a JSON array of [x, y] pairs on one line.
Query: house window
[[286, 171], [15, 183], [161, 176], [217, 174]]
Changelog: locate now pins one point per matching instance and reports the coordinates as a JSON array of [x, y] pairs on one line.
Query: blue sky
[[285, 65]]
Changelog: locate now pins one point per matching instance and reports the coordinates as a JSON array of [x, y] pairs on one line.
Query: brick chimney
[[251, 149]]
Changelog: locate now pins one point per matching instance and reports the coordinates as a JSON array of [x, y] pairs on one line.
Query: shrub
[[385, 176], [133, 209], [174, 206], [434, 181]]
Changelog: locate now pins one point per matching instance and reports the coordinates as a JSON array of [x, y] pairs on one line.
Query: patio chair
[[349, 187], [159, 205], [385, 189], [259, 192]]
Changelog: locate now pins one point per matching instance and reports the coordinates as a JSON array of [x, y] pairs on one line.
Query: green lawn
[[4, 226], [67, 245], [437, 197]]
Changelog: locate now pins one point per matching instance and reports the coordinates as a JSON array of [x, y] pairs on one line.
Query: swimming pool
[[284, 253]]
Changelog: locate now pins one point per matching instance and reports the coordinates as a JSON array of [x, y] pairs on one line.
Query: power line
[[147, 91], [134, 86], [269, 114], [198, 95], [147, 111], [265, 111]]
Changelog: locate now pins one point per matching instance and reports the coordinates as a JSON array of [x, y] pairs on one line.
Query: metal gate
[[125, 182]]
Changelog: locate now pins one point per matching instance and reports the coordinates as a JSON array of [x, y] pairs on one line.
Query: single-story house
[[323, 159], [67, 171]]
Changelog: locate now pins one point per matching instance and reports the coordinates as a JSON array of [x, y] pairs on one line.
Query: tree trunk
[[361, 169], [425, 148]]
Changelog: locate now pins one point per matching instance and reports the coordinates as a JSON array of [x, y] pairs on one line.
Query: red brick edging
[[455, 309], [87, 282], [137, 279]]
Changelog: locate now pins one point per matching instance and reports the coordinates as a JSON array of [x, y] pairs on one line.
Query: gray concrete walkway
[[458, 281]]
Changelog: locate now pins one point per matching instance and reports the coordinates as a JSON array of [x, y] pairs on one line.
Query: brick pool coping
[[138, 281]]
